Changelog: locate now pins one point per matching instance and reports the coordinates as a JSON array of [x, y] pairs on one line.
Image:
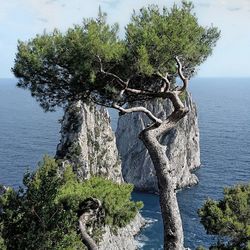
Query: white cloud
[[234, 4]]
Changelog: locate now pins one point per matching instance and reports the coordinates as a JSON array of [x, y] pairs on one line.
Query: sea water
[[27, 133]]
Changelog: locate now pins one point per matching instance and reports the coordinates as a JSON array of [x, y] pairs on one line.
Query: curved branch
[[166, 125], [166, 85], [164, 93], [140, 91], [88, 241], [175, 99], [183, 78], [124, 83], [88, 214], [138, 109]]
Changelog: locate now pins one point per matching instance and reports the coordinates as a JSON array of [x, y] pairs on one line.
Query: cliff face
[[88, 142], [124, 237], [89, 145], [182, 146]]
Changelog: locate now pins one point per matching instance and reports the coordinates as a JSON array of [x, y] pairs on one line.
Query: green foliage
[[31, 218], [200, 248], [156, 37], [183, 96], [2, 244], [229, 217], [59, 67], [43, 215], [62, 67], [116, 198]]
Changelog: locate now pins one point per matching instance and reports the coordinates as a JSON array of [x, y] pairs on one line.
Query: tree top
[[91, 62]]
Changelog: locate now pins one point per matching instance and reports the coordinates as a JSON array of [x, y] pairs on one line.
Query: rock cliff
[[123, 239], [88, 142], [182, 146], [89, 145]]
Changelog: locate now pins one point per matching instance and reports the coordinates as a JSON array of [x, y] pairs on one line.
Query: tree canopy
[[229, 218], [91, 62]]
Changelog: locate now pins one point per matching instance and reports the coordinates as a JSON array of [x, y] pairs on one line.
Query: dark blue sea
[[27, 133]]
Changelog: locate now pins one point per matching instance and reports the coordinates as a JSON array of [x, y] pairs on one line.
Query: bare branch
[[138, 109], [140, 91], [183, 78], [166, 85], [124, 83], [175, 99], [36, 214], [89, 211], [164, 93], [89, 242], [169, 123]]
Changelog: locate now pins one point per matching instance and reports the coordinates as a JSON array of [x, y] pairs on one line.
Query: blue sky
[[23, 19]]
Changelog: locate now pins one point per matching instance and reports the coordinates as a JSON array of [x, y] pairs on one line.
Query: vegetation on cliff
[[229, 218], [45, 213]]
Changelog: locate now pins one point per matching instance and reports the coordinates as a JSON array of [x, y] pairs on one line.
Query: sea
[[27, 133]]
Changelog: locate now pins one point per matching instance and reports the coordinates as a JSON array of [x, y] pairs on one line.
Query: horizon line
[[195, 77]]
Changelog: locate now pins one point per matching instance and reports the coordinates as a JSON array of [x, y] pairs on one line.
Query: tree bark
[[90, 212], [173, 232], [167, 182], [87, 239]]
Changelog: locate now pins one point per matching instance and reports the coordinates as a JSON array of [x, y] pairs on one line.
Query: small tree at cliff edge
[[229, 218], [91, 63]]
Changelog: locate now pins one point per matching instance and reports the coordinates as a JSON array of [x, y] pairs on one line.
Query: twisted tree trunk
[[86, 238], [90, 212], [173, 232]]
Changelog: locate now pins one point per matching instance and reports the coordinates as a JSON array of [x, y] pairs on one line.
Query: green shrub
[[31, 218], [2, 244], [35, 217], [200, 248], [229, 218], [116, 198]]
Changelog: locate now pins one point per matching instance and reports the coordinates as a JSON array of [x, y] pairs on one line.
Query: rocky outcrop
[[182, 146], [88, 142], [89, 145], [92, 213], [123, 238]]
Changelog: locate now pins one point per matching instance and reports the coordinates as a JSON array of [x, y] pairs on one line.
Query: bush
[[200, 248], [116, 198], [35, 217], [31, 219], [2, 244], [229, 218]]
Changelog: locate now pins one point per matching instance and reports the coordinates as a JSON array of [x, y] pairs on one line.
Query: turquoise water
[[27, 133]]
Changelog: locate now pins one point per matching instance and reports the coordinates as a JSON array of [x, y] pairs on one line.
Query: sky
[[23, 19]]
